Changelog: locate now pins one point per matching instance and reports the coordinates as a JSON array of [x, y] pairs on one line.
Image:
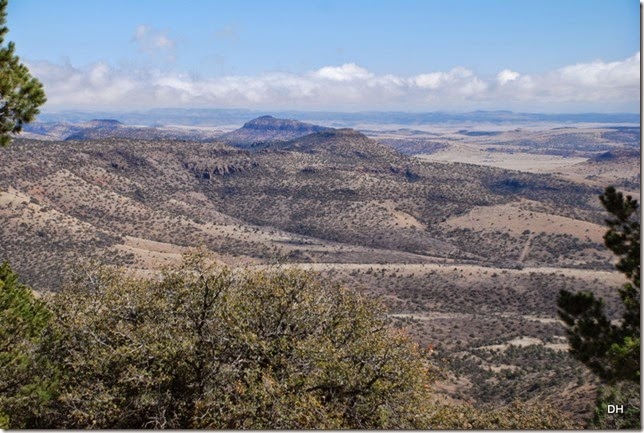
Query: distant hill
[[96, 128], [267, 129], [49, 130], [111, 128], [104, 123], [346, 143], [616, 155]]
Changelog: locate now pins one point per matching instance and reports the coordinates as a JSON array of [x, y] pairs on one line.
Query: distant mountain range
[[235, 117], [208, 125]]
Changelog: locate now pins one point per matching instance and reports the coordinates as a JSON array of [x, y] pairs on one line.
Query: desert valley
[[466, 230]]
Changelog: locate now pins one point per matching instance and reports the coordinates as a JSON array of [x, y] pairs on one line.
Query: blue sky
[[422, 55]]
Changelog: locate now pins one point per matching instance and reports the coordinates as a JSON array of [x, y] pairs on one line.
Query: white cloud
[[599, 85], [346, 72], [140, 32], [97, 85], [599, 73], [437, 80], [590, 86], [507, 75]]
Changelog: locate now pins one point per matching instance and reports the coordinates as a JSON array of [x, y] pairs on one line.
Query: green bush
[[212, 347], [23, 320], [206, 346]]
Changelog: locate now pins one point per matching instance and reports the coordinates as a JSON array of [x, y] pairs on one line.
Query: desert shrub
[[23, 319], [212, 347], [207, 346], [523, 416]]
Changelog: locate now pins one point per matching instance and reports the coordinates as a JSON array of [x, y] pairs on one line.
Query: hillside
[[335, 186], [594, 155]]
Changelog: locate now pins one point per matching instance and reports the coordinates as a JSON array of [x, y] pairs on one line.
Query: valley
[[467, 235]]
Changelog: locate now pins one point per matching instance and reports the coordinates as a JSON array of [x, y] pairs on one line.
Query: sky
[[553, 56]]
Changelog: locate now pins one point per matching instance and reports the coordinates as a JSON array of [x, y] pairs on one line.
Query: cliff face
[[207, 170], [270, 123]]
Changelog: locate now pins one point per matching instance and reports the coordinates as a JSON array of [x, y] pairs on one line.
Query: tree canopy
[[612, 351], [207, 346], [20, 93], [212, 347], [23, 319]]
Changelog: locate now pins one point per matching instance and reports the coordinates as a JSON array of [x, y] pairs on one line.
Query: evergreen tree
[[611, 351], [20, 93], [23, 320]]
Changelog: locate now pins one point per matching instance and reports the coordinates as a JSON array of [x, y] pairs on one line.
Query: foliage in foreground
[[221, 348], [515, 416], [212, 347], [611, 351], [23, 318]]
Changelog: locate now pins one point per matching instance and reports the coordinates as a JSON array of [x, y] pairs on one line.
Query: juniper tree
[[20, 93], [612, 351], [23, 319]]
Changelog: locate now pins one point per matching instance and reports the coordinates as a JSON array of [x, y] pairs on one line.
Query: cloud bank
[[595, 86]]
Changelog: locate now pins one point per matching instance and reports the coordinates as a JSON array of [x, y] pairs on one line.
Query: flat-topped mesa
[[615, 155], [268, 129], [273, 124], [103, 123]]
